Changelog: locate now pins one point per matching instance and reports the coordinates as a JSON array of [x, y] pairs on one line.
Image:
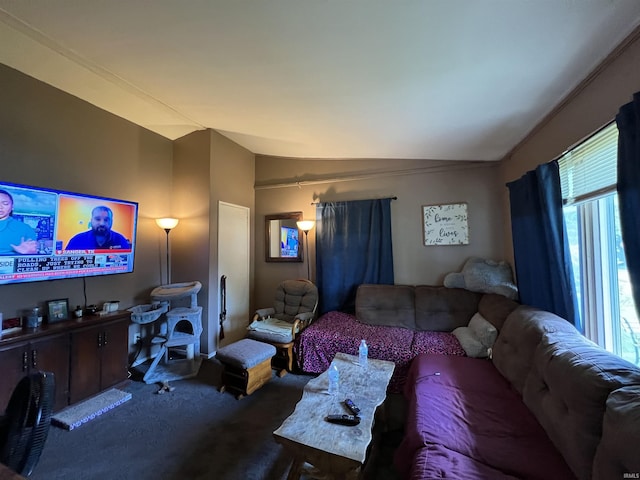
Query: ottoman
[[247, 366]]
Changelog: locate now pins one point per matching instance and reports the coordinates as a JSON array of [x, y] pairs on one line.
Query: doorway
[[234, 242]]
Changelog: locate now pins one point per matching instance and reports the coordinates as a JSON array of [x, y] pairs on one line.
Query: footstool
[[247, 366]]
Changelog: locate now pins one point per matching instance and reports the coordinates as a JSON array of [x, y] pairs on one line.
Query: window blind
[[590, 168]]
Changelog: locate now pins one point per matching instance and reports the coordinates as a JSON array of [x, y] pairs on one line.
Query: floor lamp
[[305, 226], [167, 224]]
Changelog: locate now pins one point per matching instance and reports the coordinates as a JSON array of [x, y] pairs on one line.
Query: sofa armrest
[[617, 453]]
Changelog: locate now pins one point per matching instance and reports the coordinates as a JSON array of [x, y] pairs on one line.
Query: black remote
[[352, 406], [343, 419]]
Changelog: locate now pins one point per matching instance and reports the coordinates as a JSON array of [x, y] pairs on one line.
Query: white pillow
[[472, 346], [483, 330]]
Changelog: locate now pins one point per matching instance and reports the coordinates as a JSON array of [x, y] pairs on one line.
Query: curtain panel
[[541, 248], [628, 122], [353, 246]]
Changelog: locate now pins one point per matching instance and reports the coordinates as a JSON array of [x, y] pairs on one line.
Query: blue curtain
[[353, 246], [628, 122], [541, 249]]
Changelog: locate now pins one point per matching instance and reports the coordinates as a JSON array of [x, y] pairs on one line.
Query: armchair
[[294, 308]]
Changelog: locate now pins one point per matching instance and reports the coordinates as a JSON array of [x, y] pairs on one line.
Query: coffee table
[[336, 451]]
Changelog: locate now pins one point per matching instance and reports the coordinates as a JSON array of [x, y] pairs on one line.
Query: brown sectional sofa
[[398, 323], [586, 399], [580, 393]]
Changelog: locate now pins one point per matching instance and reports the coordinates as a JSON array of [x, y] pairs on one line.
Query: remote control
[[343, 419], [352, 406]]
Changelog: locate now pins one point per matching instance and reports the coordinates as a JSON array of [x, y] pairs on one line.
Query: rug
[[79, 414]]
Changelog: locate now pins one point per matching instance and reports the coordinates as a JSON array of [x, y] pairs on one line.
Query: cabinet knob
[[104, 339]]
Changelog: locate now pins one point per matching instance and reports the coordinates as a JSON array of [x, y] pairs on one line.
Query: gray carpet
[[192, 433]]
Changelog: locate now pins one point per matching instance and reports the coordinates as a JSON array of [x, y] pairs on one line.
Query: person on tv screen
[[16, 237], [100, 237]]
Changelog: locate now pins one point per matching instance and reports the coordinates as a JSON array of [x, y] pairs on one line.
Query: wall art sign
[[445, 224]]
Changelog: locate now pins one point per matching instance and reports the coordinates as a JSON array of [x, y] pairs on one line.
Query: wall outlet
[[137, 338]]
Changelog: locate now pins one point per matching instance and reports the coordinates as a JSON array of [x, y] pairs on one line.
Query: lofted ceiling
[[415, 79]]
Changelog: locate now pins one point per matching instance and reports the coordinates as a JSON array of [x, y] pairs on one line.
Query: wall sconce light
[[167, 224], [305, 226]]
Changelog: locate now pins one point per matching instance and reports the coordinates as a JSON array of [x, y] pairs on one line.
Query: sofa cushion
[[518, 339], [567, 390], [617, 452], [390, 305], [496, 308], [441, 309]]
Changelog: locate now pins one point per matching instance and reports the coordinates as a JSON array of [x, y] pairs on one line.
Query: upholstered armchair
[[293, 310]]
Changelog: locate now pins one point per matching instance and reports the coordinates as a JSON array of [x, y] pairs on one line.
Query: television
[[288, 242], [48, 234]]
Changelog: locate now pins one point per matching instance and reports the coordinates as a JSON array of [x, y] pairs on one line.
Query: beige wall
[[594, 104], [51, 139], [208, 168], [414, 182]]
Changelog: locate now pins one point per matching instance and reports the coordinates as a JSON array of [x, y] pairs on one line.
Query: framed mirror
[[283, 237]]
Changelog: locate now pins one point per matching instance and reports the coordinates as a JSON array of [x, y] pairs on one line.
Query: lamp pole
[[305, 226], [168, 263], [306, 249], [167, 224]]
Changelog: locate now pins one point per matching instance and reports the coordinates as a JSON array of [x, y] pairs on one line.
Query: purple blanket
[[337, 332], [467, 422]]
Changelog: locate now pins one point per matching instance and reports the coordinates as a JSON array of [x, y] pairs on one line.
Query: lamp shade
[[167, 223], [305, 225]]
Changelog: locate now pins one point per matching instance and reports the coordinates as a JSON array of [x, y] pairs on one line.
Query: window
[[588, 180]]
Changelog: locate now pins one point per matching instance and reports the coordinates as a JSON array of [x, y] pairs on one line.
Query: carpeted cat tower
[[178, 334]]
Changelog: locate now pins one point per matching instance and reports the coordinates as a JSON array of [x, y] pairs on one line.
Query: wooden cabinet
[[85, 356], [99, 358], [50, 354]]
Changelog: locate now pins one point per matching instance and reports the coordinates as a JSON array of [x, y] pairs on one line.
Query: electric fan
[[25, 425]]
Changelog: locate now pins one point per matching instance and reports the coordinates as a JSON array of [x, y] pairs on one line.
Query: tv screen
[[288, 242], [48, 234]]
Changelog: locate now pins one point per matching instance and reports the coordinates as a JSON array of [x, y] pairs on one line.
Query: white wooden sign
[[445, 224]]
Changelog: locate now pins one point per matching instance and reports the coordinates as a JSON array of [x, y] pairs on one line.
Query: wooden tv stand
[[86, 356]]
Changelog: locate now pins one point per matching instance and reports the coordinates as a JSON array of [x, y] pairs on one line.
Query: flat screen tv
[[48, 234], [288, 242]]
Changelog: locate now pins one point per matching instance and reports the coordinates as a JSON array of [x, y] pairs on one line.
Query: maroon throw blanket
[[468, 422], [337, 332]]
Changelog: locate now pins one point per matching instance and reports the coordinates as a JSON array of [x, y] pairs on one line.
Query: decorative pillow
[[471, 345], [484, 276], [483, 330]]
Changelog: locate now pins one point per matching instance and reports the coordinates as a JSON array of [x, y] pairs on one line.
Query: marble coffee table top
[[367, 387]]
